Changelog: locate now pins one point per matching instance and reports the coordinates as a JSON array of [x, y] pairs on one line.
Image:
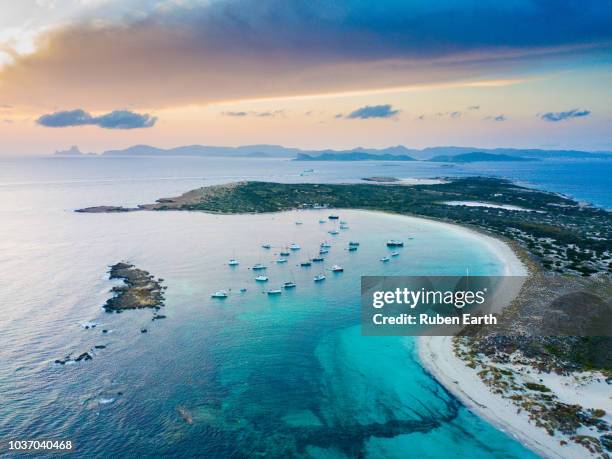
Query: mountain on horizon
[[357, 154], [478, 156]]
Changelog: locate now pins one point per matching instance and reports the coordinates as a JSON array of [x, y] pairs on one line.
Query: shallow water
[[281, 376]]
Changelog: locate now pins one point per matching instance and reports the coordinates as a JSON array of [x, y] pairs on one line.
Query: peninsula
[[523, 372]]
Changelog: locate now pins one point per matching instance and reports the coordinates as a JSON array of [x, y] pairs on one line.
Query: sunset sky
[[106, 74]]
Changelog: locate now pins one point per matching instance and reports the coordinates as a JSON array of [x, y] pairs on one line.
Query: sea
[[250, 375]]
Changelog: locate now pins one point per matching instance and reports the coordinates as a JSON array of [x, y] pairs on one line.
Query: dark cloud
[[373, 111], [118, 119], [562, 116], [238, 49]]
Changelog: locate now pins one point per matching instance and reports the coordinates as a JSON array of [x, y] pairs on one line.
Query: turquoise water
[[287, 376]]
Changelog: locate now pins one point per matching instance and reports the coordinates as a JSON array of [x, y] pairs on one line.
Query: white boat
[[266, 246], [337, 269], [394, 243], [281, 260], [289, 284], [258, 267], [219, 294], [277, 291], [394, 254], [233, 262], [334, 232], [325, 245], [294, 247], [385, 259], [261, 279], [319, 278]]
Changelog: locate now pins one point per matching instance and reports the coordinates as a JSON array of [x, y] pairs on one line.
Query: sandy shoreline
[[438, 358]]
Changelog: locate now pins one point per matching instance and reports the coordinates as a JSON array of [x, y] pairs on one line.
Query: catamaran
[[219, 294], [261, 279]]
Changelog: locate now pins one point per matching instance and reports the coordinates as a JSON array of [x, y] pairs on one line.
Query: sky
[[107, 74]]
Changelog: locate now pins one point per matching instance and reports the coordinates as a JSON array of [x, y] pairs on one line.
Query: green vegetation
[[564, 235]]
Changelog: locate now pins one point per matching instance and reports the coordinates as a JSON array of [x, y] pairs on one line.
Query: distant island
[[356, 156], [393, 153], [477, 157], [72, 151]]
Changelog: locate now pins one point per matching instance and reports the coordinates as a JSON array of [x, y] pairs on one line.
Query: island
[[478, 157], [543, 375], [139, 290], [353, 156], [564, 236]]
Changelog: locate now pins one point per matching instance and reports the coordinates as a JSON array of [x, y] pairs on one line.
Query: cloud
[[235, 114], [373, 111], [266, 114], [499, 118], [454, 114], [562, 116], [241, 49], [117, 119], [474, 107]]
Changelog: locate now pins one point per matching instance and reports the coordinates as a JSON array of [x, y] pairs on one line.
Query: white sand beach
[[590, 390]]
